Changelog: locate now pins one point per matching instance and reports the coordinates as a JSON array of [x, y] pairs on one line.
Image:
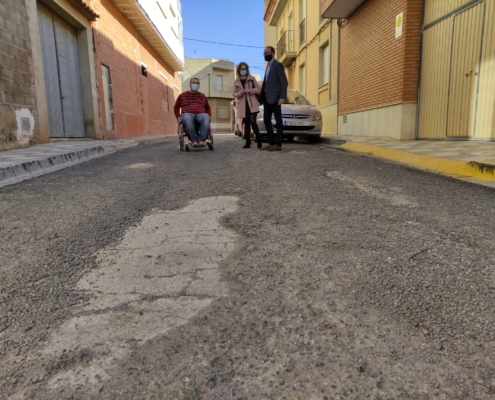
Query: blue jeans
[[204, 123]]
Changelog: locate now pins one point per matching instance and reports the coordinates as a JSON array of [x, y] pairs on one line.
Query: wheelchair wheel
[[181, 143]]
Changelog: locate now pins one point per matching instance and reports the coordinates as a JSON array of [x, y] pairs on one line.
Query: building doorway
[[62, 75], [452, 62]]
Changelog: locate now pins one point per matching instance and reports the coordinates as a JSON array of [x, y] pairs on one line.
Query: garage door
[[450, 71], [62, 76]]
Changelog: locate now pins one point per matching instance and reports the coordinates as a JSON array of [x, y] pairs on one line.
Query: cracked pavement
[[239, 274]]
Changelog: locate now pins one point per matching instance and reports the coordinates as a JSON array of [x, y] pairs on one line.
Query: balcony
[[223, 91], [286, 52], [302, 32], [339, 8]]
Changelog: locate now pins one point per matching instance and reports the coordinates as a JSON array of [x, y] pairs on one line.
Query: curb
[[458, 169], [31, 169]]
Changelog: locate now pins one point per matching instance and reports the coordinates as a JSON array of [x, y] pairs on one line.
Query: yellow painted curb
[[481, 171]]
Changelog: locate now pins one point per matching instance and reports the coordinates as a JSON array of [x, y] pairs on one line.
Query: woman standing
[[245, 90]]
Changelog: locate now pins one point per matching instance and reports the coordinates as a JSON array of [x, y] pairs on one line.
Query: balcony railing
[[286, 43], [222, 88], [302, 32]]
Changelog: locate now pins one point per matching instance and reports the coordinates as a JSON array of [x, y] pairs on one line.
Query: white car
[[300, 118]]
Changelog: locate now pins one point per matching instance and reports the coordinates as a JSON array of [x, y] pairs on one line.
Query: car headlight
[[317, 116]]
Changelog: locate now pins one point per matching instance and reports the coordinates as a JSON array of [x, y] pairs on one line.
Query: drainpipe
[[416, 133]]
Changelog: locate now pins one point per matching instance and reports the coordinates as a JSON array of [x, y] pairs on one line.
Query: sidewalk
[[21, 164], [468, 160]]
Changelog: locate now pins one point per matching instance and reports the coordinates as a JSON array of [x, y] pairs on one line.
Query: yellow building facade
[[308, 47]]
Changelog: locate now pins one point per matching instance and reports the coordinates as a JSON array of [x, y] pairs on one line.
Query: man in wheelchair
[[195, 112]]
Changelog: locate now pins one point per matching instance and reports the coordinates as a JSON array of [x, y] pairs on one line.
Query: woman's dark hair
[[241, 64]]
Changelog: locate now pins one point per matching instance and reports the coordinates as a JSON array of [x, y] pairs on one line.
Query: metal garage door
[[62, 76], [452, 46]]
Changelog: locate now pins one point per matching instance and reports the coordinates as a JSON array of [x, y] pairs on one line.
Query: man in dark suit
[[273, 94]]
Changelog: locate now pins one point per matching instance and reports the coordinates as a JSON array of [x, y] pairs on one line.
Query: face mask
[[243, 72], [268, 57], [194, 87]]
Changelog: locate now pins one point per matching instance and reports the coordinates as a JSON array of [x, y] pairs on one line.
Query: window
[[324, 64], [144, 69], [223, 112], [302, 79], [162, 10], [163, 75], [107, 97], [218, 83], [302, 10], [174, 30]]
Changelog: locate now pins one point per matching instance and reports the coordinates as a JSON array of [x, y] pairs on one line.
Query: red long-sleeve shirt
[[192, 102]]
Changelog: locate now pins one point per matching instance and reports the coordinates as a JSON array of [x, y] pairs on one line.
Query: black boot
[[247, 145]]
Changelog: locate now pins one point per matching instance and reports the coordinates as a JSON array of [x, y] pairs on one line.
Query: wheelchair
[[185, 140]]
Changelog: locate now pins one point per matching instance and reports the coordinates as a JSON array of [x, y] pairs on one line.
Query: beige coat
[[254, 89]]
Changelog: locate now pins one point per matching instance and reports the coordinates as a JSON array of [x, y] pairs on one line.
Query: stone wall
[[17, 93]]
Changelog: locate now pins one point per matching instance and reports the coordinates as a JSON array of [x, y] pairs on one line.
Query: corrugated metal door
[[435, 80], [69, 77], [435, 9], [450, 69], [50, 69], [466, 52], [485, 121], [62, 76]]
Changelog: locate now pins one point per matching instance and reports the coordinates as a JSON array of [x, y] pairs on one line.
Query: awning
[[138, 17], [274, 11], [339, 8]]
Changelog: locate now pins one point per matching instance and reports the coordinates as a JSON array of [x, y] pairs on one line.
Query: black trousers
[[250, 121], [271, 109]]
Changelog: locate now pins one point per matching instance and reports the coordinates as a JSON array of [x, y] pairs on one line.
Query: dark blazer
[[275, 85]]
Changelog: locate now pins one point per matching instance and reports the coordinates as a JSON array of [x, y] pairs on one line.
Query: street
[[311, 273]]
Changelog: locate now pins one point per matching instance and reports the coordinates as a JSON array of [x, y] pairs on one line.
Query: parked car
[[300, 118]]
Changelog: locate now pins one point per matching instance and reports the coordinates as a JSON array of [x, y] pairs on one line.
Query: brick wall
[[141, 105], [375, 69], [17, 95]]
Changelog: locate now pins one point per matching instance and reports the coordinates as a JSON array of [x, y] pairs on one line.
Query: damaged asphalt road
[[240, 274]]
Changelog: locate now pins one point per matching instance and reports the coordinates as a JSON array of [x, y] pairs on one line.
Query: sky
[[226, 21]]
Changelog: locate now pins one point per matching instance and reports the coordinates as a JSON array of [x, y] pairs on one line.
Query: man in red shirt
[[195, 108]]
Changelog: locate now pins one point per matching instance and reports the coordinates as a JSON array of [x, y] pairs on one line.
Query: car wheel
[[290, 138], [313, 140]]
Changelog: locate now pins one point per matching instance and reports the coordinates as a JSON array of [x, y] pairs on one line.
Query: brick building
[[88, 69], [416, 69], [378, 66], [18, 111], [138, 52]]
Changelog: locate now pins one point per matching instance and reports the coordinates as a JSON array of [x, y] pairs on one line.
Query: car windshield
[[297, 98]]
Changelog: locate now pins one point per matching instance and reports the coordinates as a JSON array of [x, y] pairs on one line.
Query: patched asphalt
[[350, 278]]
